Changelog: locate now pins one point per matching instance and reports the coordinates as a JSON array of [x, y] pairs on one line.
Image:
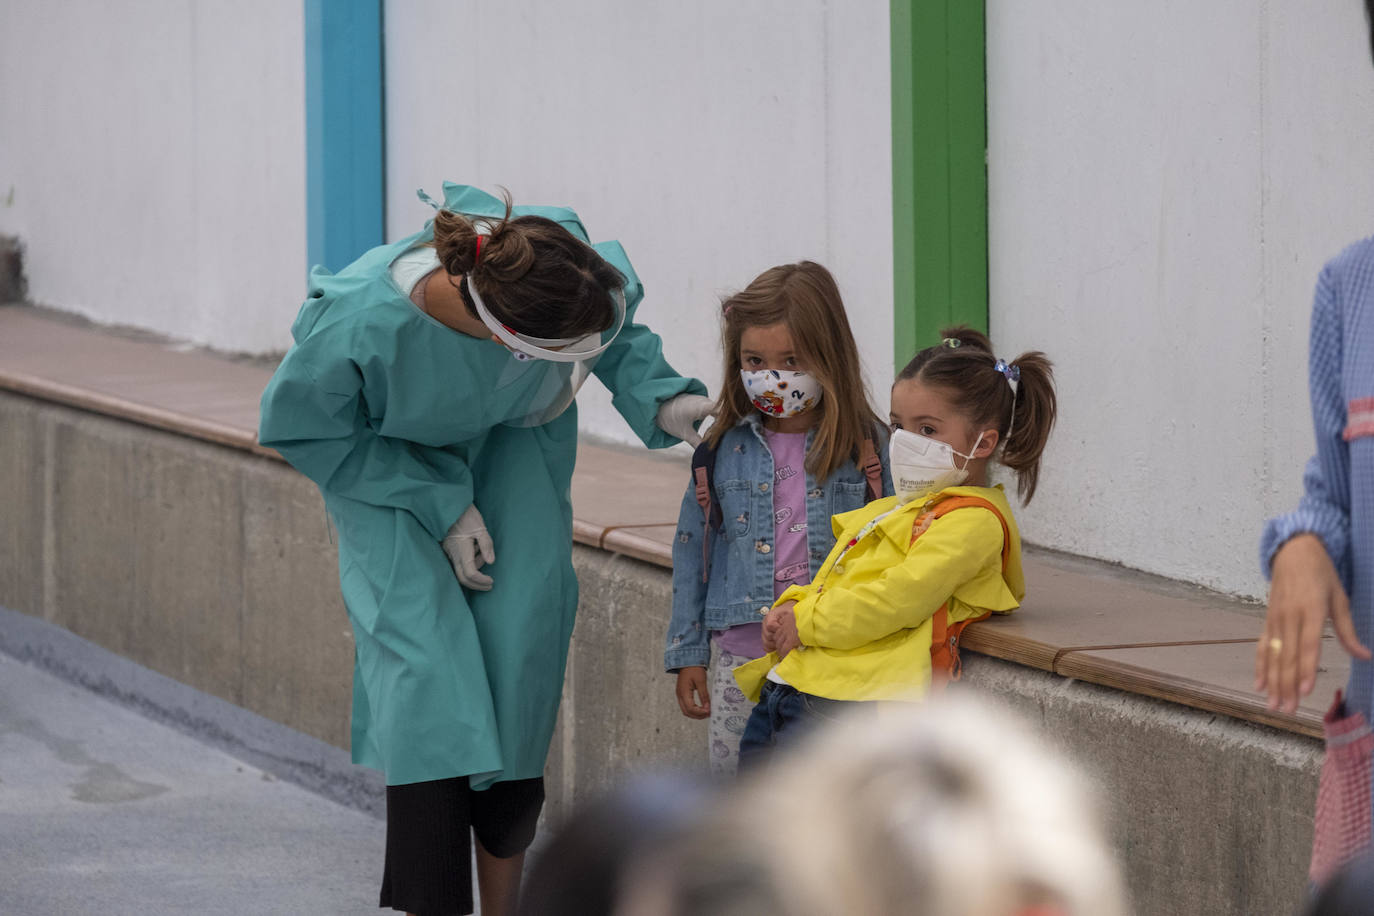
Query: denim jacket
[[740, 586]]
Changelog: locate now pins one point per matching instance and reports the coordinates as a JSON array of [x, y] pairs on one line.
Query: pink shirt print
[[789, 510]]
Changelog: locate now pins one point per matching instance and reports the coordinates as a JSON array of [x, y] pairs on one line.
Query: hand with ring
[[1306, 591]]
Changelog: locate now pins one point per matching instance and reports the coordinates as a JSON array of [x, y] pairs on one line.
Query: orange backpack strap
[[945, 664], [872, 467]]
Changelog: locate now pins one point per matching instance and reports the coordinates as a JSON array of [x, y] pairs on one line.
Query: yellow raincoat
[[865, 621]]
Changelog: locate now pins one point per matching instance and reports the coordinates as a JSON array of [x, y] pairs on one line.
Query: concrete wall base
[[1210, 815]]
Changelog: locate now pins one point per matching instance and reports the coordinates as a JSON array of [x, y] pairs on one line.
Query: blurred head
[[1349, 891], [946, 808], [535, 277], [792, 317], [584, 869]]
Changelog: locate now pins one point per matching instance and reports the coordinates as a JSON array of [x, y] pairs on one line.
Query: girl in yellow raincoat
[[943, 550]]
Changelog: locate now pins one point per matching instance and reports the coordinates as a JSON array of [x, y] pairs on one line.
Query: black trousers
[[429, 827]]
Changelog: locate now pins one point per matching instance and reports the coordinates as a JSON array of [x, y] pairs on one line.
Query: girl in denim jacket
[[794, 433]]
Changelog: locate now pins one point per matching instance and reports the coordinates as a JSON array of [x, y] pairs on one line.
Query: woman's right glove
[[468, 545], [681, 415]]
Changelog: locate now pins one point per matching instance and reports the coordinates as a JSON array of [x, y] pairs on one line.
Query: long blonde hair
[[803, 297]]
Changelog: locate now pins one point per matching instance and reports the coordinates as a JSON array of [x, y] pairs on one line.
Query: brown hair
[[967, 372], [805, 298], [534, 276]]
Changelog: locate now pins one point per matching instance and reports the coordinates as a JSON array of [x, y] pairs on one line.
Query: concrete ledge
[[1092, 621], [214, 568], [212, 565], [619, 713], [1209, 815], [204, 563]]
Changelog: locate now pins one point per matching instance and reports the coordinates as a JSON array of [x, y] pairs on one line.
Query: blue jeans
[[783, 717]]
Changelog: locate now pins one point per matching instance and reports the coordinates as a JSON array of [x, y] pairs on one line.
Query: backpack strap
[[945, 664], [872, 467], [703, 470]]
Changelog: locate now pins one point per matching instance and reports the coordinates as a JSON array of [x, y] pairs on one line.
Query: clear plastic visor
[[553, 349], [546, 373]]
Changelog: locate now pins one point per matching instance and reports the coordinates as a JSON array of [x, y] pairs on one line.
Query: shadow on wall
[[13, 286]]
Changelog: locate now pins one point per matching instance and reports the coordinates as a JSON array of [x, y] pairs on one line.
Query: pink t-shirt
[[789, 510], [790, 549]]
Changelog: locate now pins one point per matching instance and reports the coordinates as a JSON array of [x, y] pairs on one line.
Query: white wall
[[152, 160], [152, 157], [714, 139], [1165, 181]]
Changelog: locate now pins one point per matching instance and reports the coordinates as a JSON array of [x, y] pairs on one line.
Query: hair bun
[[455, 241], [507, 255]]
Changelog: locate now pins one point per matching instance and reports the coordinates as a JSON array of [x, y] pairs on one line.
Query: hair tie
[[952, 342], [1010, 370], [1012, 373], [478, 254], [726, 311]]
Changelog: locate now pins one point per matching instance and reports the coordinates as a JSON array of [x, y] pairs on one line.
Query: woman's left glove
[[679, 416], [465, 541]]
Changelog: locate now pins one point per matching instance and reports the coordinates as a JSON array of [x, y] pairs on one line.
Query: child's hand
[[780, 629], [772, 622], [692, 696]]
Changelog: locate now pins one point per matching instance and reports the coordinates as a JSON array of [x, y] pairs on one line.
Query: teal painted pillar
[[344, 130]]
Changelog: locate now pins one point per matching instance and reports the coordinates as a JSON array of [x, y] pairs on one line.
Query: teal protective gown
[[403, 423]]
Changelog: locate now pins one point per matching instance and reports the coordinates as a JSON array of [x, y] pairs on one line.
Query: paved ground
[[105, 812]]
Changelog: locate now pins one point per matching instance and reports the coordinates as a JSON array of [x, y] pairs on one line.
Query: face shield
[[549, 370]]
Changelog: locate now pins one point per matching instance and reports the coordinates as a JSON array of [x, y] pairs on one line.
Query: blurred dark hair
[[1350, 891], [584, 868]]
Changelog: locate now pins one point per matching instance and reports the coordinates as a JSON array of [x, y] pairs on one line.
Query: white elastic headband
[[539, 347]]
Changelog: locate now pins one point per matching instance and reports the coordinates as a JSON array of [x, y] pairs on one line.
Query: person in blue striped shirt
[[1320, 556]]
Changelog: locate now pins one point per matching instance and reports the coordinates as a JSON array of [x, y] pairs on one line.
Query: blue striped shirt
[[1338, 485]]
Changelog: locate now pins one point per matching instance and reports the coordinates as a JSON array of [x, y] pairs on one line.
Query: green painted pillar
[[939, 170]]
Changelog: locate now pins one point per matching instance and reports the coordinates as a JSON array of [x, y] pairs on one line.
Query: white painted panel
[[250, 173], [157, 177], [1165, 180], [152, 162], [714, 139]]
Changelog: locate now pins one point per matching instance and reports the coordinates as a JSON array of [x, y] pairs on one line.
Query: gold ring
[[1276, 645]]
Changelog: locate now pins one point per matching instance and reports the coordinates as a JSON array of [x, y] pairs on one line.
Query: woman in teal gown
[[411, 417]]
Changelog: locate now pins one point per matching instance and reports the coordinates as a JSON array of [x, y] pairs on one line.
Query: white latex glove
[[680, 415], [465, 541]]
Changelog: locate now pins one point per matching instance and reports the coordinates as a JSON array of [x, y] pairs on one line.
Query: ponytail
[[1032, 418]]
